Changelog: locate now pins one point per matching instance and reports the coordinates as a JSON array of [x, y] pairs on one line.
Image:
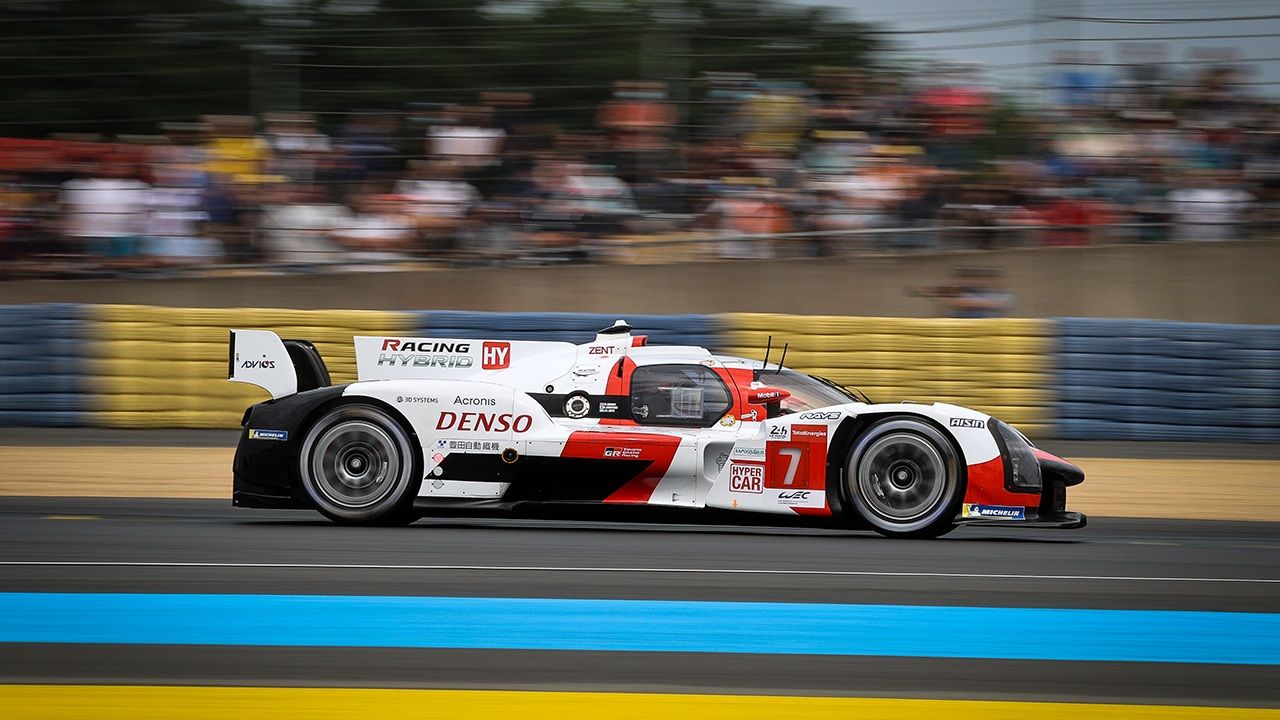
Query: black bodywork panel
[[547, 479], [265, 471]]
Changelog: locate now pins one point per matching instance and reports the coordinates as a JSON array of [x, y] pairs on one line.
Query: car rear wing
[[281, 367]]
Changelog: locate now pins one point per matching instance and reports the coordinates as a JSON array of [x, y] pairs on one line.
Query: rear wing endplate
[[259, 357]]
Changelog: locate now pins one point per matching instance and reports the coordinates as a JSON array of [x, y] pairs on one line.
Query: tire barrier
[[702, 330], [999, 366], [1161, 380], [151, 367], [42, 365]]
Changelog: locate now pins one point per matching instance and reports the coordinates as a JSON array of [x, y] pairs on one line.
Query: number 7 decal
[[788, 465], [801, 462], [793, 455]]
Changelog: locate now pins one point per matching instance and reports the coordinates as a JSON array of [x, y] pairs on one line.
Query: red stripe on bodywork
[[658, 450], [738, 379], [619, 383], [986, 487], [824, 511]]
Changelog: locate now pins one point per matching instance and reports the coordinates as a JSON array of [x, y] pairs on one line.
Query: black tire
[[903, 478], [359, 467]]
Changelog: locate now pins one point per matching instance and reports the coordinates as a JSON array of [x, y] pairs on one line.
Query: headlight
[[1021, 469]]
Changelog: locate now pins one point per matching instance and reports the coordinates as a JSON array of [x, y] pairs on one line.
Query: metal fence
[[680, 242]]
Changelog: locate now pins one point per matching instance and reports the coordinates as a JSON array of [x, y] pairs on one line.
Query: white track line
[[569, 569]]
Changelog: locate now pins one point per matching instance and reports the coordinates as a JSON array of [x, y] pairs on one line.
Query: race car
[[437, 422]]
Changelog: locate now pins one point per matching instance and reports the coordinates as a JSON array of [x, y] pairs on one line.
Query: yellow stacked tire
[[167, 367], [1000, 366]]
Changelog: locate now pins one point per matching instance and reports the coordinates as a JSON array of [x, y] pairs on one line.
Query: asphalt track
[[79, 545]]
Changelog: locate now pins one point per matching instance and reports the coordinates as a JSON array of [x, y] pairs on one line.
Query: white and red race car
[[434, 423]]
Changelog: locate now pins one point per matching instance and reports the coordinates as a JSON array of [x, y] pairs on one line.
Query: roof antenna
[[784, 358], [767, 348]]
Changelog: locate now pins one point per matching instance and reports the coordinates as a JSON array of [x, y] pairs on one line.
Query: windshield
[[807, 392]]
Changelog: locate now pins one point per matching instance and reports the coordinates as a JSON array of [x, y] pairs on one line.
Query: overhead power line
[[998, 25], [1049, 41], [1163, 21]]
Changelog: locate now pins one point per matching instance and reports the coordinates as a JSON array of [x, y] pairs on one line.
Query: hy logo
[[495, 355]]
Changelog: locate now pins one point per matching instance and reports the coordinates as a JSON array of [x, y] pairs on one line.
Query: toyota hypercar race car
[[434, 423]]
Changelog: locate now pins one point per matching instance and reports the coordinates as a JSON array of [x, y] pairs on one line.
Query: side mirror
[[766, 395]]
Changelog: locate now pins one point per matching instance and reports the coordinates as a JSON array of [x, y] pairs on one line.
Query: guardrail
[[152, 367], [1001, 365], [1159, 380], [687, 243]]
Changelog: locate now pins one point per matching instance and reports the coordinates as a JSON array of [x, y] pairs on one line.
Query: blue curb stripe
[[643, 625]]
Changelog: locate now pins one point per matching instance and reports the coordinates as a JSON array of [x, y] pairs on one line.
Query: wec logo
[[795, 497]]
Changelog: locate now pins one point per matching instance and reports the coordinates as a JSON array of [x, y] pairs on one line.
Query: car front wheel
[[903, 477]]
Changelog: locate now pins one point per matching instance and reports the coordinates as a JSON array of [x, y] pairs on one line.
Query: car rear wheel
[[903, 477], [358, 467]]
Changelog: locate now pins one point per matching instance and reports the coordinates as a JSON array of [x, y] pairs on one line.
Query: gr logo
[[495, 355]]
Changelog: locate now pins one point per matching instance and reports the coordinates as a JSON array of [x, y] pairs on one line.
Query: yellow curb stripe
[[55, 702]]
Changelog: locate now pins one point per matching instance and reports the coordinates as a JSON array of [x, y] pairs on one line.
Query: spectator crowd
[[736, 167]]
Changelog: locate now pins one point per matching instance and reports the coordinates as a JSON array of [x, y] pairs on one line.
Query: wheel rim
[[355, 463], [902, 477]]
